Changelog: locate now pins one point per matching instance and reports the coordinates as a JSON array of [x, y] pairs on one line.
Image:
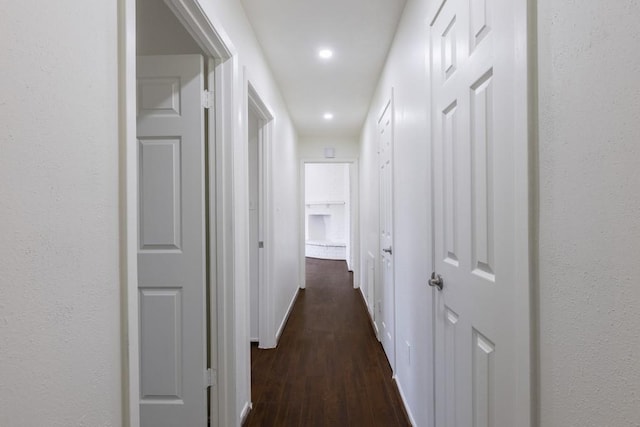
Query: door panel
[[171, 256], [160, 314], [473, 65], [386, 304], [159, 194]]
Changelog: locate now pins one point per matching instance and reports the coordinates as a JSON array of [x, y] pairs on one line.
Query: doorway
[[175, 190], [174, 276], [259, 120], [329, 212]]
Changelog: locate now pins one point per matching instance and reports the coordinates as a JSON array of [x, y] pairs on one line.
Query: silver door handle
[[388, 250], [436, 281]]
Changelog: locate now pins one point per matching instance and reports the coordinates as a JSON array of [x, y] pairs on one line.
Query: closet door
[[386, 302], [171, 253], [478, 84]]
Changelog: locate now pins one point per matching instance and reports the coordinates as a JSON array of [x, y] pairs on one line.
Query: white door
[[386, 297], [478, 367], [171, 257], [254, 225]]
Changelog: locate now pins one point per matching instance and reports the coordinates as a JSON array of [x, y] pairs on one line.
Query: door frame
[[266, 332], [216, 44], [354, 196]]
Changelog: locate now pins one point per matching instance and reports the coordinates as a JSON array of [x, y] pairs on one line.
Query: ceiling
[[359, 32]]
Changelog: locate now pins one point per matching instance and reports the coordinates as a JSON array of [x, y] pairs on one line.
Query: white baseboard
[[370, 313], [366, 303], [245, 412], [412, 420], [286, 316]]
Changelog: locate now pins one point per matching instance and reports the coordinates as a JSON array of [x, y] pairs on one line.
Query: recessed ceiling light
[[328, 116], [325, 53]]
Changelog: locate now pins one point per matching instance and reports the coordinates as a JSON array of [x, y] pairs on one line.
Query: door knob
[[436, 281], [388, 250]]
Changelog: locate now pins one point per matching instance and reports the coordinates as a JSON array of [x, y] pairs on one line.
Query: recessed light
[[325, 53], [328, 116]]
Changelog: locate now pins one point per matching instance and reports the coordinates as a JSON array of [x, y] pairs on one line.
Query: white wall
[[60, 360], [589, 181], [312, 148], [284, 247], [328, 182], [405, 73]]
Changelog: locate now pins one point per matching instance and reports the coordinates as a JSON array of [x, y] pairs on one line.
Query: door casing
[[266, 335]]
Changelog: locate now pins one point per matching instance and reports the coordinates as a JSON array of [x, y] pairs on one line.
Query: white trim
[[224, 218], [128, 211], [370, 315], [302, 269], [286, 316], [257, 104], [248, 406], [525, 130], [210, 38], [407, 409], [266, 332], [214, 41], [366, 303]]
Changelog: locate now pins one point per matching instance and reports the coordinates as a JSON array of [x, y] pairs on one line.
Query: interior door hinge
[[211, 378], [208, 100]]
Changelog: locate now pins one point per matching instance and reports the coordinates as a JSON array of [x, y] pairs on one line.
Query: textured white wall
[[406, 73], [589, 213], [59, 282]]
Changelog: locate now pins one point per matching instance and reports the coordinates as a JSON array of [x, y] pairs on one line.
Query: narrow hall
[[328, 369]]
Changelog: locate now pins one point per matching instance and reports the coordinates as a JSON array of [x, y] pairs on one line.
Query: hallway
[[328, 369]]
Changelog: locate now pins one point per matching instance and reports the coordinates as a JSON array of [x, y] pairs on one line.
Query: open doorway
[[175, 197], [178, 339], [259, 120], [327, 211], [329, 226]]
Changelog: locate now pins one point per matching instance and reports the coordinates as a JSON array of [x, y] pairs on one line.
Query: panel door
[[386, 302], [171, 253], [254, 224], [473, 64]]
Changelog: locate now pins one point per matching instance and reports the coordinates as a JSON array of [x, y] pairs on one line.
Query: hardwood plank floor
[[328, 369]]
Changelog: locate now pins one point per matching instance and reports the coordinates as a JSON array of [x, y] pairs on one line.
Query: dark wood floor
[[328, 369]]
